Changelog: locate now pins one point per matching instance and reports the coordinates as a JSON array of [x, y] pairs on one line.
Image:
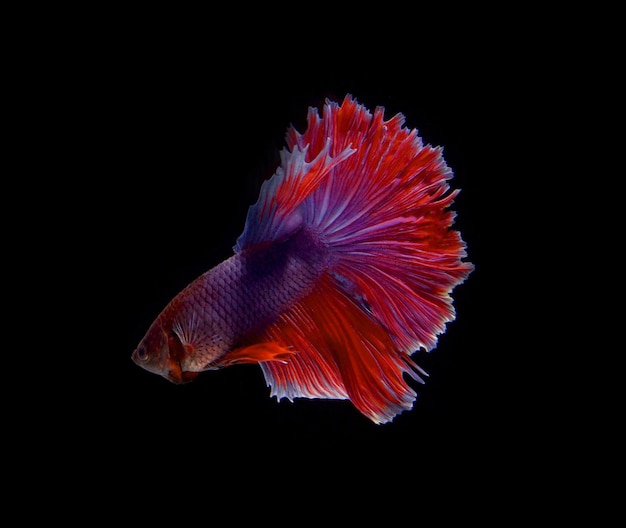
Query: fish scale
[[258, 285]]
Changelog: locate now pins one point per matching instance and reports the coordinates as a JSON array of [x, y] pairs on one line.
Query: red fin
[[275, 215], [257, 353], [342, 352], [385, 212]]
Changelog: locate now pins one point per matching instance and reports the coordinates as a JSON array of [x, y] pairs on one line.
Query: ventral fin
[[257, 353]]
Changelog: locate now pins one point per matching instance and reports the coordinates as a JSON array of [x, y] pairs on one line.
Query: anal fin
[[342, 352]]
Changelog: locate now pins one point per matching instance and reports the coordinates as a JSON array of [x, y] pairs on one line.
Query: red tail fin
[[380, 200], [385, 210]]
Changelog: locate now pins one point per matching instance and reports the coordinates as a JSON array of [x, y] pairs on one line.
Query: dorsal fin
[[275, 215]]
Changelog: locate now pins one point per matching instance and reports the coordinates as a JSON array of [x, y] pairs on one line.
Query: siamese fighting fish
[[344, 269]]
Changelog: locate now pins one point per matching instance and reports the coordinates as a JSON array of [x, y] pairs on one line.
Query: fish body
[[199, 328], [344, 269]]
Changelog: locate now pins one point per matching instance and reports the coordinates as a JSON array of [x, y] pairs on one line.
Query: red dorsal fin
[[275, 215]]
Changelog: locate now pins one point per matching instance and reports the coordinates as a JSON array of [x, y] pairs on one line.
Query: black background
[[135, 141], [159, 146]]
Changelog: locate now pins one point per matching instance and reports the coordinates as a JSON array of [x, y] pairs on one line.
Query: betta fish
[[344, 269]]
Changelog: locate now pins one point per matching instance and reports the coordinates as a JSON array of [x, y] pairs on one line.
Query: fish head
[[160, 352]]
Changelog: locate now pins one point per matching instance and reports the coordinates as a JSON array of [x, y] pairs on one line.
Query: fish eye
[[142, 353]]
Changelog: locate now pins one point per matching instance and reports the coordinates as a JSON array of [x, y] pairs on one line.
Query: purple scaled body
[[223, 308]]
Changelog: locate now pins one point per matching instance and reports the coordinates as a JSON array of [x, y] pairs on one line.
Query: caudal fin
[[380, 199]]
